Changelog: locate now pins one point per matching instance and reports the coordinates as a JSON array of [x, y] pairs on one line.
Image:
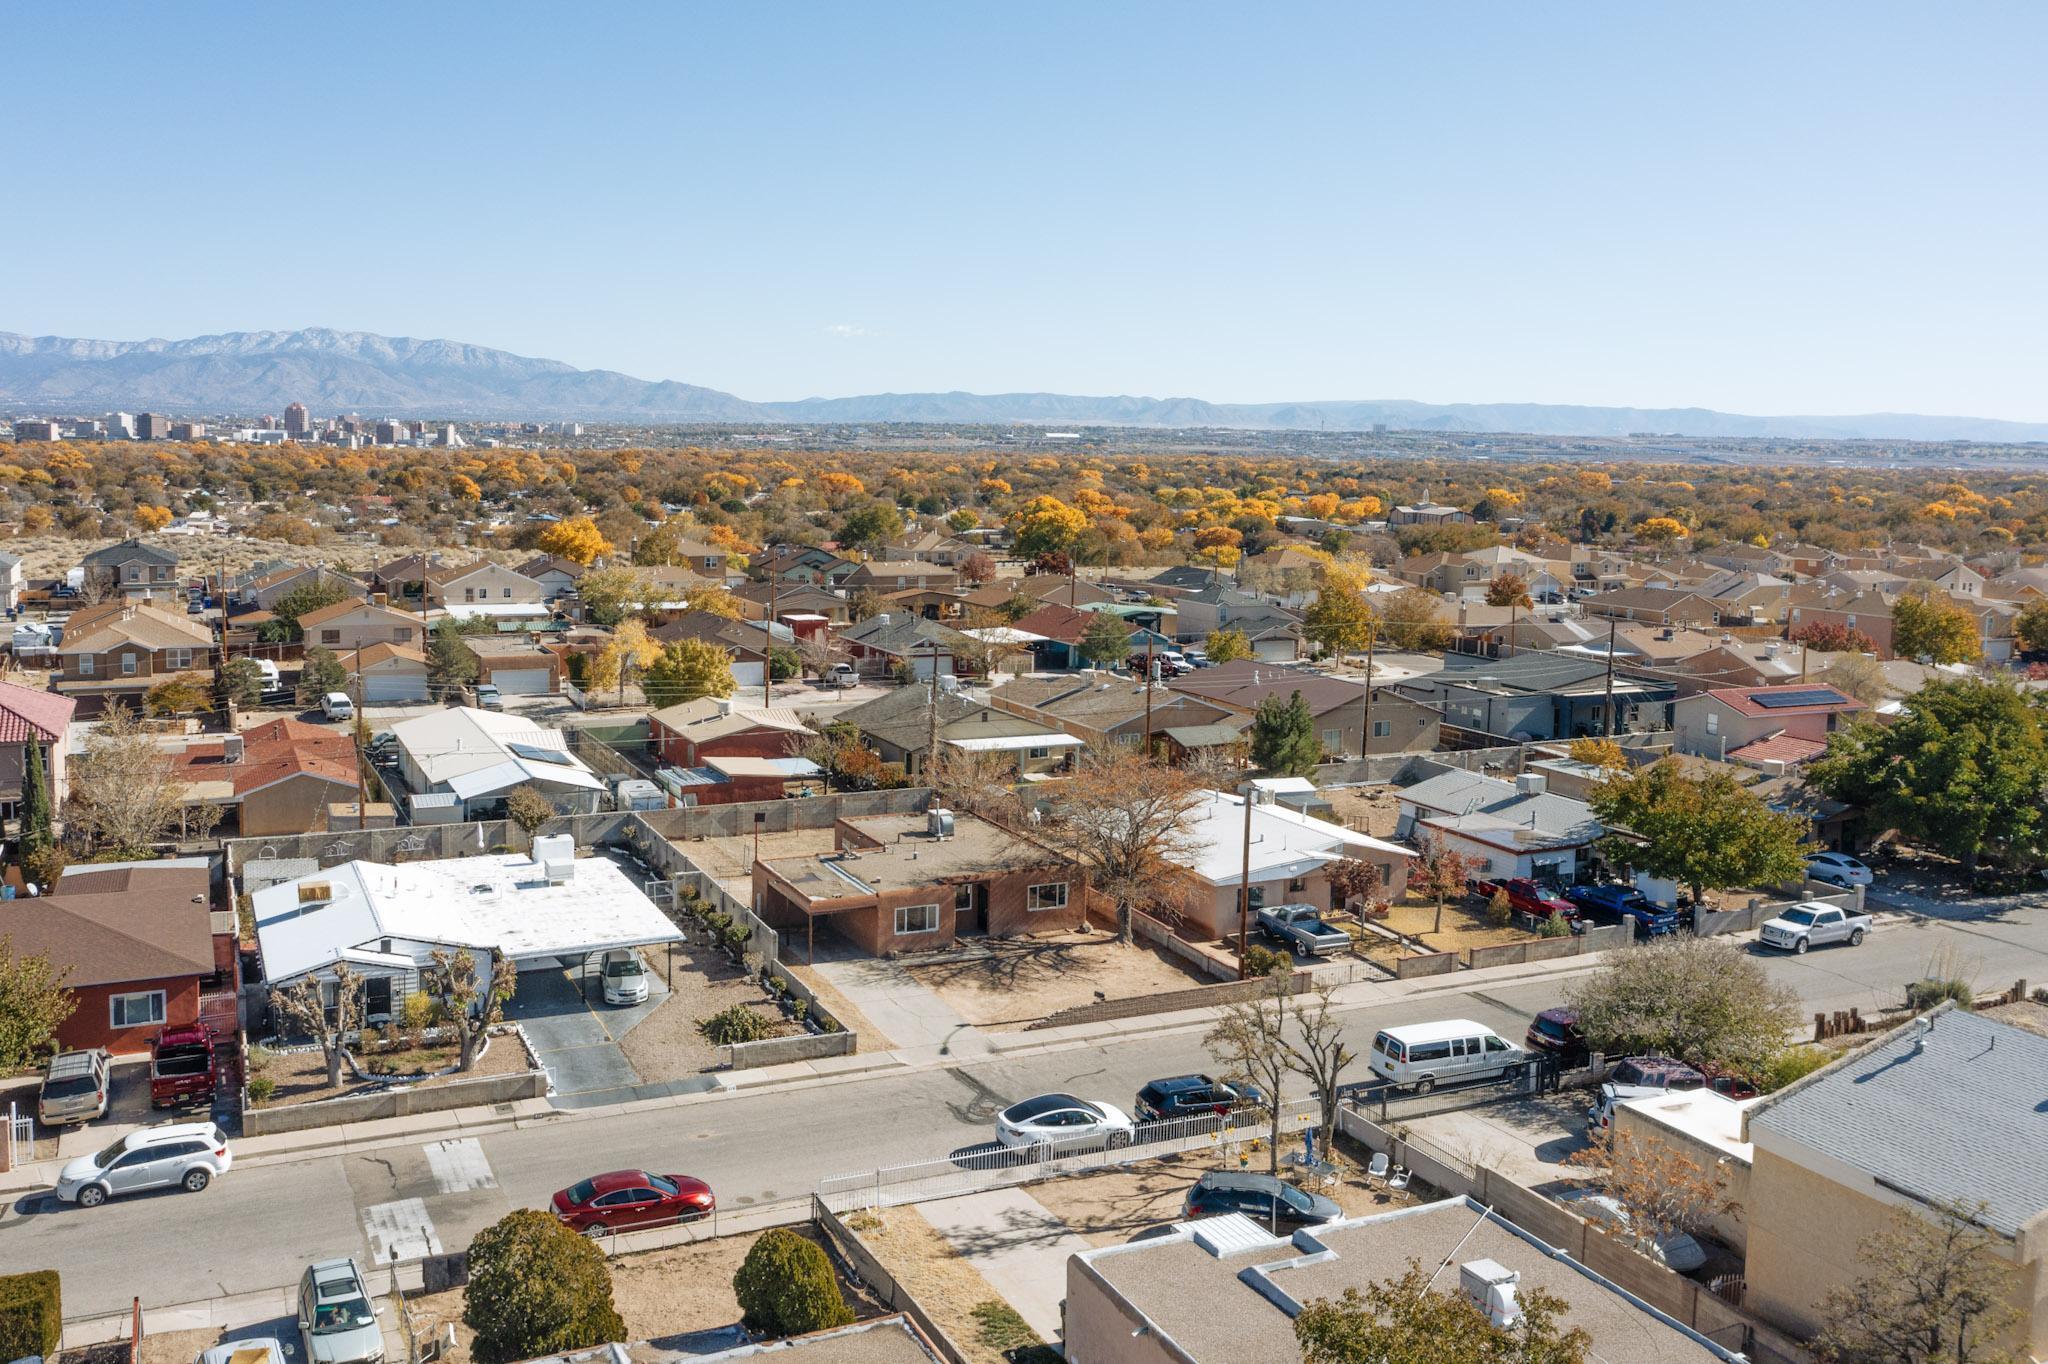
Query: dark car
[[1264, 1199], [1185, 1096], [1656, 1072], [1556, 1031], [632, 1198]]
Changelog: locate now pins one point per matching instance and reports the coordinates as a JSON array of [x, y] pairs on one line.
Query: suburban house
[[1717, 723], [405, 576], [1541, 696], [704, 559], [1746, 663], [120, 651], [482, 583], [278, 777], [390, 674], [1274, 633], [133, 571], [1105, 708], [1400, 724], [1655, 606], [141, 943], [1428, 512], [555, 574], [1059, 630], [1919, 1120], [918, 882], [672, 587], [900, 577], [459, 764], [386, 922], [1517, 828], [736, 780], [896, 726], [1289, 851], [940, 547], [689, 732], [515, 665], [263, 591], [803, 564], [1227, 1289], [891, 640], [357, 624], [746, 641], [12, 580], [790, 598], [42, 718]]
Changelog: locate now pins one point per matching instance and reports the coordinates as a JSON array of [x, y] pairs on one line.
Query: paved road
[[257, 1227]]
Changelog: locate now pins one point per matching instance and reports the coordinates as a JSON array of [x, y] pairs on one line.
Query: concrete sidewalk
[[911, 1015], [1016, 1244]]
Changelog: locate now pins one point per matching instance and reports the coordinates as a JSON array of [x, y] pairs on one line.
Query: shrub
[[1790, 1064], [261, 1087], [786, 1287], [419, 1012], [31, 1314], [1498, 911], [1264, 961], [1553, 926], [737, 1023], [1925, 994], [536, 1288]]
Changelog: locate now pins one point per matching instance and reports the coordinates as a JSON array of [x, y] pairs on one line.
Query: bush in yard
[[1553, 926], [786, 1287], [736, 1023], [1925, 994], [1264, 961], [536, 1288], [1791, 1064], [31, 1314], [261, 1087], [1498, 911]]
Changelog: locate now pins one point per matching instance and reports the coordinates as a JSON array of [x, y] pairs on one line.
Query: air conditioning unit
[[939, 823], [1491, 1285]]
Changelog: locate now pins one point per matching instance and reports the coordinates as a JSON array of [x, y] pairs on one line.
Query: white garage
[[522, 681], [393, 675]]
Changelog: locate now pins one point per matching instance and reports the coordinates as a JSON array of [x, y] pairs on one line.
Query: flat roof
[[1712, 1119], [909, 856]]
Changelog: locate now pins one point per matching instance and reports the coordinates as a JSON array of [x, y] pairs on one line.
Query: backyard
[[1004, 983]]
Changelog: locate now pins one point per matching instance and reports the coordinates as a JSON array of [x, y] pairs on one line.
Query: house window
[[1713, 722], [330, 636], [508, 592], [180, 658], [143, 1009], [963, 895], [1382, 729], [1333, 739], [127, 665], [469, 594], [401, 635], [1386, 873], [1041, 752], [1296, 884], [916, 918], [85, 665], [134, 574], [1052, 895]]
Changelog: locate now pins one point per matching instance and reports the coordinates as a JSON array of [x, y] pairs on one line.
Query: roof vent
[[939, 823], [231, 748], [1491, 1285]]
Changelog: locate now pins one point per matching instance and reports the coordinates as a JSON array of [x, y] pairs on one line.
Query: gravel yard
[[1011, 982], [947, 1286], [666, 1044], [1465, 927], [301, 1076]]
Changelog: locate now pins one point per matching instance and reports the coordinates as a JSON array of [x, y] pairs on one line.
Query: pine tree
[[40, 861], [1284, 737]]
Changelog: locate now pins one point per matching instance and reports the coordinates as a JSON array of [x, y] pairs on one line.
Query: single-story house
[[687, 733], [515, 665], [897, 726], [279, 777], [476, 757], [390, 674], [1516, 828], [1289, 851], [734, 780], [358, 624]]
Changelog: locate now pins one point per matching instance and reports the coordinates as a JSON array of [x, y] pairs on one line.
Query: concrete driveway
[[577, 1039]]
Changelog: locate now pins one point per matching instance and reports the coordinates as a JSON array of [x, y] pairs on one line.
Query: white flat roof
[[1712, 1119], [473, 752], [1284, 842], [504, 903], [1012, 743]]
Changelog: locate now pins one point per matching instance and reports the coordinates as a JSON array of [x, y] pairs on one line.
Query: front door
[[377, 997]]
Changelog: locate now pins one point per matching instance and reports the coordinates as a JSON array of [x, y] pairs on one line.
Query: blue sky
[[1765, 208]]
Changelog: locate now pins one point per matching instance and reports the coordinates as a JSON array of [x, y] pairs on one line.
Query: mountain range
[[337, 371]]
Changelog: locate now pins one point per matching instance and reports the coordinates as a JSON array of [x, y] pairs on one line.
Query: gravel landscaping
[[301, 1076], [666, 1045], [1013, 982]]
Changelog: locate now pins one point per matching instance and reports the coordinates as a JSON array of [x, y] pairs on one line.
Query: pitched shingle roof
[[112, 925]]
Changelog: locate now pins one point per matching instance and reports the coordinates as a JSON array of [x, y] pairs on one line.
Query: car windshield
[[102, 1159], [1797, 916], [1551, 1027], [629, 966], [349, 1314], [581, 1193], [69, 1087]]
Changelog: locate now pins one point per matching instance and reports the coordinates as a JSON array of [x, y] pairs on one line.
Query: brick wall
[[1194, 997]]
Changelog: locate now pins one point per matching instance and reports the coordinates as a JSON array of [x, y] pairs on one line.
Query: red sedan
[[632, 1198]]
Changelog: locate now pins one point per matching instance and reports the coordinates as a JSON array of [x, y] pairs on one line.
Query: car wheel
[[594, 1230], [1118, 1140], [196, 1180], [1799, 948], [91, 1196], [1856, 938], [1425, 1084]]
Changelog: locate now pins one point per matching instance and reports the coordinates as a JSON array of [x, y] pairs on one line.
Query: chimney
[[1491, 1286], [1531, 784], [380, 599]]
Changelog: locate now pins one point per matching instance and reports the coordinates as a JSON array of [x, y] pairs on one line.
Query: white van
[[1422, 1054]]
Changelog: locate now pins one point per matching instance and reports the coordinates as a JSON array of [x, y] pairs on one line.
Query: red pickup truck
[[181, 1067], [1526, 897]]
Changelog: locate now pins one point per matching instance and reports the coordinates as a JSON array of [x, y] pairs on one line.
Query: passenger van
[[1422, 1055]]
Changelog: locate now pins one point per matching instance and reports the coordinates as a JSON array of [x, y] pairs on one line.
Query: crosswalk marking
[[460, 1165], [400, 1230]]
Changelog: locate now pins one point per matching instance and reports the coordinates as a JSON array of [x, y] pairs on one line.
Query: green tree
[[1284, 737], [41, 860], [686, 670], [609, 595], [176, 696], [283, 625], [1964, 770], [1338, 621], [1935, 1291], [872, 526], [784, 663], [1106, 642], [528, 808], [1703, 832], [1226, 646], [1935, 627], [786, 1286], [536, 1288], [1699, 999], [33, 1002], [449, 660], [1405, 1321], [240, 683], [2031, 629], [320, 673]]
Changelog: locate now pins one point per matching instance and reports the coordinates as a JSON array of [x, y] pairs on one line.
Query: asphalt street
[[256, 1228]]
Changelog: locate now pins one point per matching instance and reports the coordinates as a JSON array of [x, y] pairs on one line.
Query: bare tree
[[1936, 1291], [1124, 815], [980, 783], [818, 653], [985, 652], [124, 794], [1663, 1190], [1319, 1056], [1219, 767], [301, 1005], [1249, 1042], [473, 1006]]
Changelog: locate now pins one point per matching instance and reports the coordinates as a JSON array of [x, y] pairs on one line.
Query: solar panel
[[1778, 698], [540, 755]]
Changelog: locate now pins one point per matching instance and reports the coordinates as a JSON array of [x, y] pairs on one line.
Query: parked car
[[1656, 1073], [625, 977], [1838, 869], [1557, 1031], [1183, 1096], [337, 706], [76, 1088], [186, 1155], [1266, 1200], [1600, 1117], [337, 1322], [632, 1198], [1813, 924], [1302, 929], [1677, 1251], [488, 697], [1624, 904], [1421, 1055], [1065, 1121], [842, 675], [181, 1067], [1526, 897]]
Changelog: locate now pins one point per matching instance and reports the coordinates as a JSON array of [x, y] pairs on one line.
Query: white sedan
[[625, 979], [1838, 869], [1065, 1121]]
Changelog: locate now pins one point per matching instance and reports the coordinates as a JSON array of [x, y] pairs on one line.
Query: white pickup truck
[[1814, 923]]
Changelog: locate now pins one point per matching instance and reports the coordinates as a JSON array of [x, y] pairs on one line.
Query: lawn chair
[[1378, 1168], [1400, 1178]]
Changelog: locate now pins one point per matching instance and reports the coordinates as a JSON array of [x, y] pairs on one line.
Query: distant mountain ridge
[[335, 371]]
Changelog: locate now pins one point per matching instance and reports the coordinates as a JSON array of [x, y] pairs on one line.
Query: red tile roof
[[1779, 748], [272, 752], [25, 711], [1743, 699]]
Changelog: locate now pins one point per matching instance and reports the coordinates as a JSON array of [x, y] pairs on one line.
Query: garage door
[[390, 689], [521, 681]]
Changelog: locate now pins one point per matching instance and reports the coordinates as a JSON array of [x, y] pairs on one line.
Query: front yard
[[667, 1045], [278, 1079], [1465, 927], [1012, 982]]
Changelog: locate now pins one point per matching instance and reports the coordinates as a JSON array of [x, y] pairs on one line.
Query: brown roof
[[144, 625], [1243, 684], [272, 752], [112, 925], [350, 606]]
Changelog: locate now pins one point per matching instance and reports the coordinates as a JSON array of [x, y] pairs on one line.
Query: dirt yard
[[301, 1076], [1008, 983], [666, 1045], [2025, 1014], [947, 1286], [1375, 810], [730, 861], [1465, 927]]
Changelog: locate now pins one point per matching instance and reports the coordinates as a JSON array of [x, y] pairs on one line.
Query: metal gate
[[21, 1136]]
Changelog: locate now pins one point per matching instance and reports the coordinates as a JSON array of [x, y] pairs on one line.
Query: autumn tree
[[2031, 628], [609, 595], [1046, 523], [473, 1001], [326, 589], [1660, 1187], [1604, 754], [687, 669], [577, 539], [152, 518], [1698, 999], [977, 568], [1661, 530], [1825, 638], [177, 696], [1703, 832], [1412, 619], [1440, 872], [1351, 879], [1125, 817], [1936, 1289], [1935, 627], [125, 794], [1338, 621], [1509, 588], [33, 1004], [625, 656], [1284, 738], [321, 672], [1226, 645], [303, 1007], [1407, 1321]]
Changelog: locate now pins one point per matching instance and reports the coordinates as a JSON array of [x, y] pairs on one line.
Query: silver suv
[[184, 1155], [337, 1323], [75, 1088]]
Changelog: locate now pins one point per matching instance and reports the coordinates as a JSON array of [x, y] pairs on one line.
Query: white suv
[[185, 1155]]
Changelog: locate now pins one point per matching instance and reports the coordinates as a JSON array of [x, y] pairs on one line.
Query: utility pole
[[1073, 581], [1365, 728], [1244, 887], [931, 715], [1607, 725], [1148, 696], [768, 667]]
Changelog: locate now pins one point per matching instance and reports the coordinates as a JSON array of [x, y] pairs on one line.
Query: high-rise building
[[297, 421], [188, 430], [35, 430], [152, 426], [387, 433], [120, 426]]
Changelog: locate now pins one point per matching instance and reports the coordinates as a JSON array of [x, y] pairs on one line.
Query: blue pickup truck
[[1625, 904]]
